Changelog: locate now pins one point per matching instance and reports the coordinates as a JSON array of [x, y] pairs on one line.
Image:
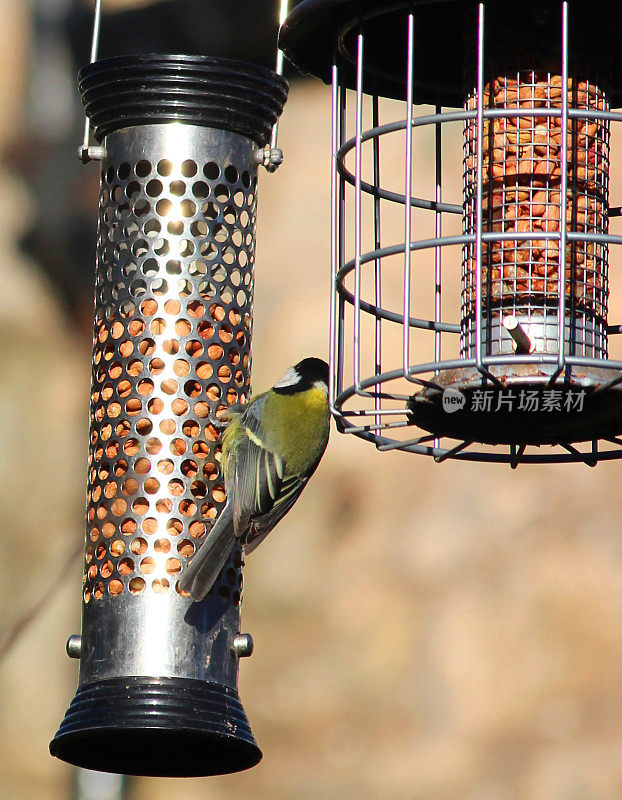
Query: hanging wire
[[94, 49], [283, 9]]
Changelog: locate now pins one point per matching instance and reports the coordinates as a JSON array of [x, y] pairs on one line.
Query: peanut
[[522, 167]]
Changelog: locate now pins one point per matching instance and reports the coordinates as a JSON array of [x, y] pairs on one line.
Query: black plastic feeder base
[[163, 727]]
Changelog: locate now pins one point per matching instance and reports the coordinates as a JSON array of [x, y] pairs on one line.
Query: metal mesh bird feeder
[[471, 327], [181, 139]]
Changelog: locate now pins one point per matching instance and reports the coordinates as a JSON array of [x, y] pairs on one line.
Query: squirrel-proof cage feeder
[[181, 139], [524, 366]]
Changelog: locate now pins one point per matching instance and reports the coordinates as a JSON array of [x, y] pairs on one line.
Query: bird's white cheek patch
[[291, 378], [321, 385]]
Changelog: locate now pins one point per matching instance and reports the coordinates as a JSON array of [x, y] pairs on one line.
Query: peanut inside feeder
[[522, 194]]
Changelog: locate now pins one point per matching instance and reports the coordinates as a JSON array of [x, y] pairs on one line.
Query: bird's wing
[[261, 525], [258, 475]]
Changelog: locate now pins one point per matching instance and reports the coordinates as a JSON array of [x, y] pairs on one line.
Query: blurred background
[[421, 631]]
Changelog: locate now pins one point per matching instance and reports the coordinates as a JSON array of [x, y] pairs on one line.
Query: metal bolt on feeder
[[179, 138], [531, 86]]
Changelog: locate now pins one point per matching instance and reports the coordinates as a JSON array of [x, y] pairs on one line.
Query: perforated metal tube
[[172, 334], [171, 353]]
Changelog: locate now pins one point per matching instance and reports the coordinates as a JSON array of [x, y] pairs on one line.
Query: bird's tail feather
[[199, 576]]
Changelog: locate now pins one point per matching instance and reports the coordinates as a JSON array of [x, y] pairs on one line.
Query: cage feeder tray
[[520, 408]]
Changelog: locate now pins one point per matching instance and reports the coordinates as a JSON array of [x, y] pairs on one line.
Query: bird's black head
[[303, 376], [312, 370]]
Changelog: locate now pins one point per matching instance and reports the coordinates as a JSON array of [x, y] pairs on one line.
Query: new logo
[[453, 400]]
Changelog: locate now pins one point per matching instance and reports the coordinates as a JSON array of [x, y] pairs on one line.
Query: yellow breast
[[302, 430]]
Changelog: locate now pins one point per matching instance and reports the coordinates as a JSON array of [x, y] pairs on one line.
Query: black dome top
[[444, 36]]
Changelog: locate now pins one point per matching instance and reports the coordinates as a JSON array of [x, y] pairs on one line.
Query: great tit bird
[[270, 448]]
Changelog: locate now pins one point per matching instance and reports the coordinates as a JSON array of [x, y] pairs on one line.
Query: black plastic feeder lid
[[164, 727], [222, 93], [315, 28]]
